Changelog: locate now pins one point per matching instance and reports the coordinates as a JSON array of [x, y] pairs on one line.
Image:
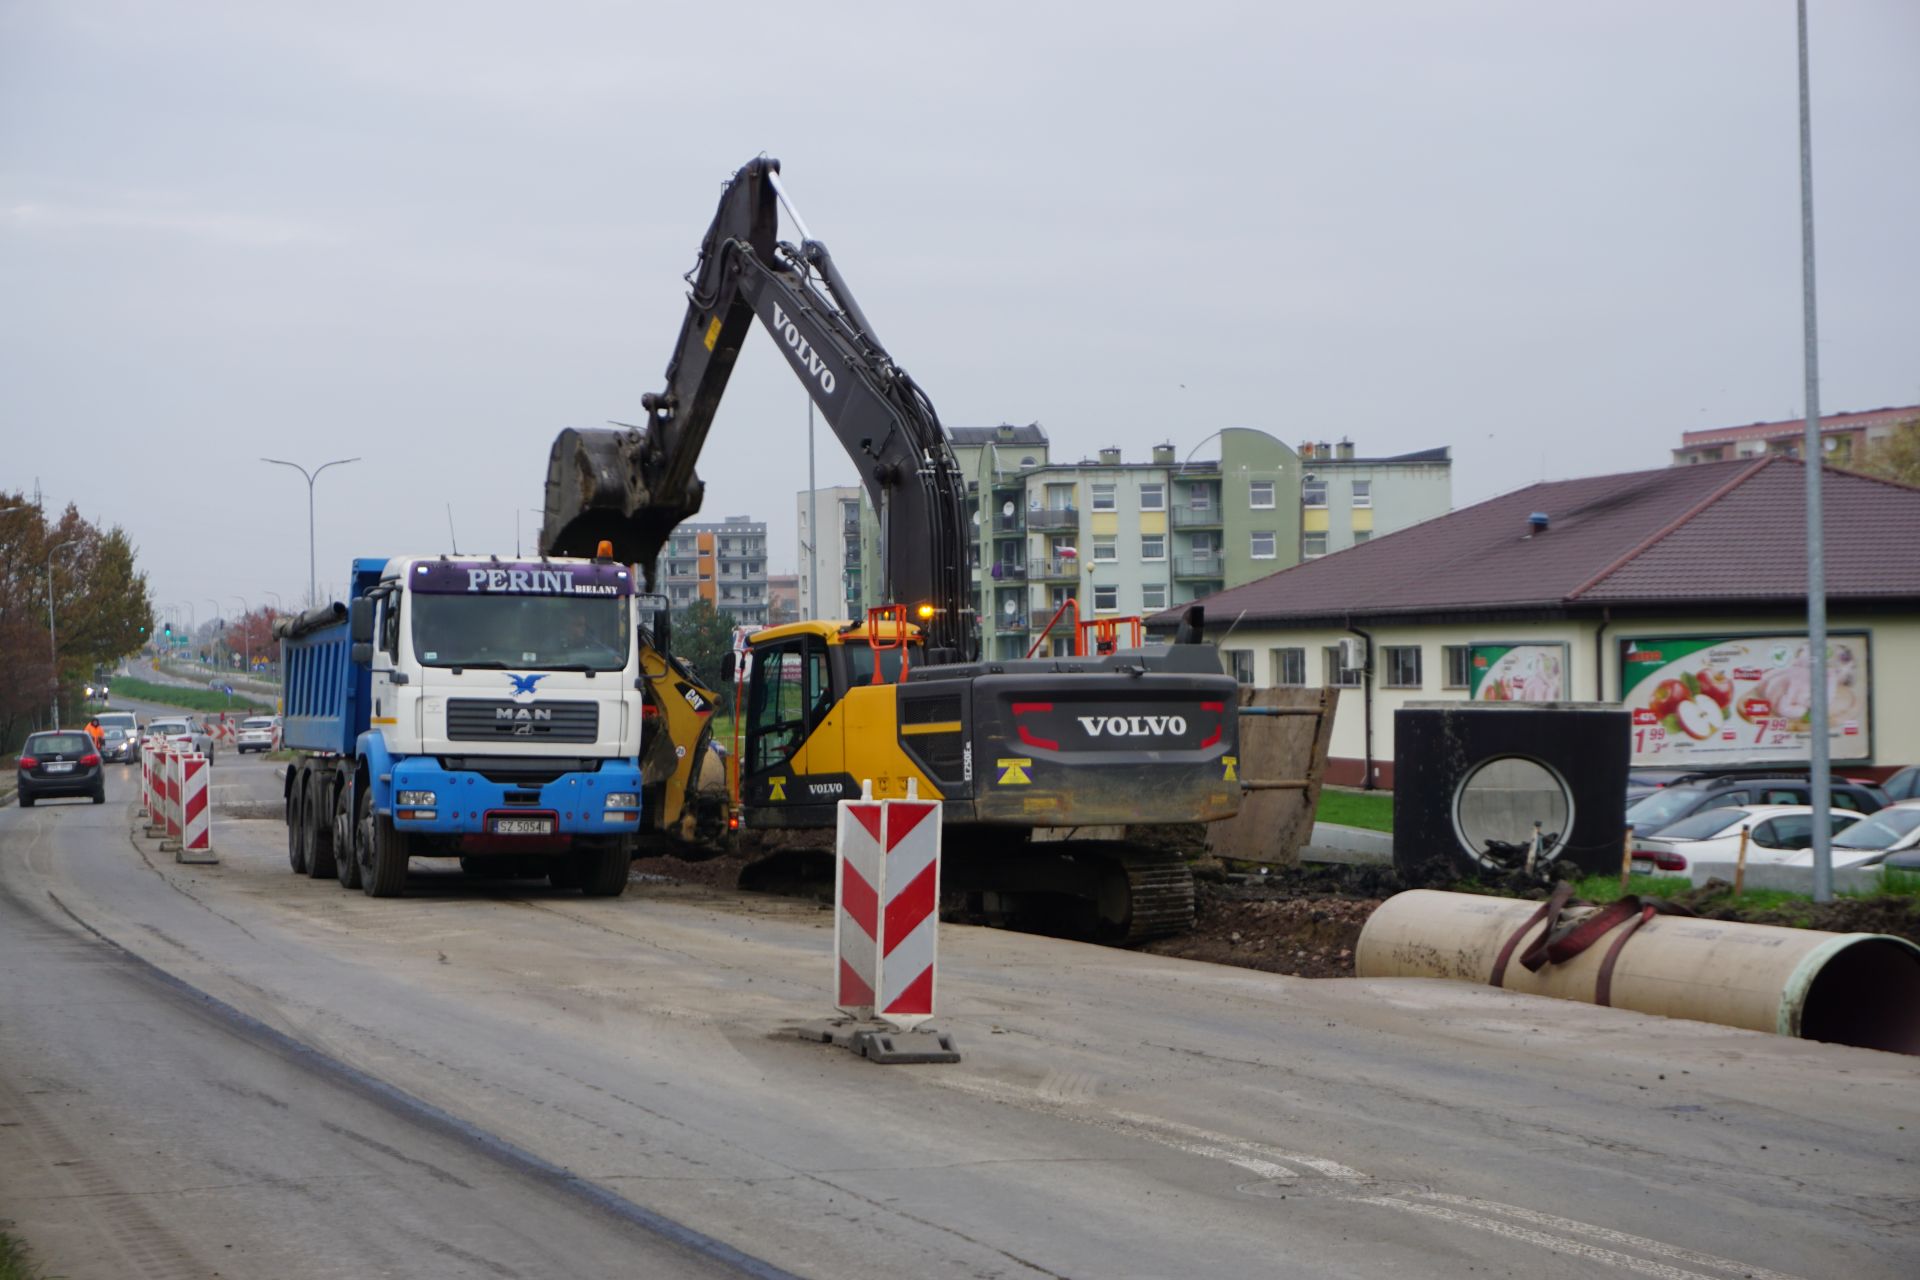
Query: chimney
[[1323, 450], [1163, 454], [1306, 448], [1110, 457], [1538, 522], [1004, 431], [1346, 451]]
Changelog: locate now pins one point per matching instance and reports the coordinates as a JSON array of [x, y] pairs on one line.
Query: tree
[[1894, 457], [101, 610], [702, 638]]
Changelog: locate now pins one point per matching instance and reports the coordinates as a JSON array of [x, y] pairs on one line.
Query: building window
[[1289, 666], [1338, 673], [1362, 535], [1263, 544], [1200, 498], [1105, 550], [1403, 666], [1153, 596], [1153, 497], [1313, 545], [1103, 497], [1260, 494], [1242, 660], [1313, 493], [1363, 493], [1459, 659], [1106, 599], [1153, 546]]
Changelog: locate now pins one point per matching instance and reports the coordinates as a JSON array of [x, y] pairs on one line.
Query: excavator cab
[[819, 718]]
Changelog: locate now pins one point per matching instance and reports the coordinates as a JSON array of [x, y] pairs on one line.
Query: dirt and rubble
[[1303, 921]]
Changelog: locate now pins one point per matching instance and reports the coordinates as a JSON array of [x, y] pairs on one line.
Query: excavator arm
[[631, 487]]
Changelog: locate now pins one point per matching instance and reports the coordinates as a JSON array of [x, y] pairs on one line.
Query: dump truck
[[473, 708]]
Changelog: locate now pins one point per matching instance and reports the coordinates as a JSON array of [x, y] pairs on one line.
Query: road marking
[[1695, 1257], [1264, 1161]]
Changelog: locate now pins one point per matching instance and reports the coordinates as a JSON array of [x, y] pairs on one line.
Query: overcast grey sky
[[1552, 236]]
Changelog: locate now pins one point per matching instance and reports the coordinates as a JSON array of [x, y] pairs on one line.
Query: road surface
[[235, 1070]]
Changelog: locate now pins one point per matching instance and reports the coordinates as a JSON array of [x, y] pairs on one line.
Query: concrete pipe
[[1848, 988]]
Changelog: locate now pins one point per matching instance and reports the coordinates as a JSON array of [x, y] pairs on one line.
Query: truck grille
[[477, 719]]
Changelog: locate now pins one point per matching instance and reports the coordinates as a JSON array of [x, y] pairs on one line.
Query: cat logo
[[777, 788], [1013, 773], [1233, 774]]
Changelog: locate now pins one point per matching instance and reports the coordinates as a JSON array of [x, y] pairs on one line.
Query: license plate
[[523, 826], [1643, 865], [60, 766]]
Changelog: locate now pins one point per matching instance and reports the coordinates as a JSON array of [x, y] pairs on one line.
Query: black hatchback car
[[1696, 794], [60, 764]]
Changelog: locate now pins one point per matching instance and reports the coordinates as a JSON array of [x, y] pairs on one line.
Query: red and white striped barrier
[[171, 787], [196, 815], [887, 909], [146, 780]]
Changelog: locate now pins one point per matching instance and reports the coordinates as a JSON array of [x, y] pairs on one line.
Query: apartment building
[[724, 564], [1842, 437], [1122, 538], [832, 563]]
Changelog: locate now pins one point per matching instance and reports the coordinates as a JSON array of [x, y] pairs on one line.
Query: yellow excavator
[[1109, 738]]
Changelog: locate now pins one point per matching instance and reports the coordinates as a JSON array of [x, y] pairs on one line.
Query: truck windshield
[[557, 633]]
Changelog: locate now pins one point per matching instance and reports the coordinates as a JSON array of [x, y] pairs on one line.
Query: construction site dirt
[[1301, 921]]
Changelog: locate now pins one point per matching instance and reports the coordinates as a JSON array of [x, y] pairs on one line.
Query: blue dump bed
[[326, 694]]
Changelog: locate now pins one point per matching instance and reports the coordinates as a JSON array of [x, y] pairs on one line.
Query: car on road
[[185, 731], [118, 746], [1775, 832], [1660, 809], [127, 723], [255, 734], [60, 763]]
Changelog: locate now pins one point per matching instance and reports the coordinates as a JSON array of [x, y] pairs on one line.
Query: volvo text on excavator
[[1137, 736]]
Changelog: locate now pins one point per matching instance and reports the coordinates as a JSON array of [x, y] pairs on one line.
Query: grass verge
[[15, 1264], [187, 699], [1370, 809]]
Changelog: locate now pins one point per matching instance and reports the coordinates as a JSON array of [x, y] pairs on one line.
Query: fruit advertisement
[[1745, 700], [1519, 673]]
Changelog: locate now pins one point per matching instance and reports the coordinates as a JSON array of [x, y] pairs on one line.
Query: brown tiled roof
[[1722, 531], [1788, 427]]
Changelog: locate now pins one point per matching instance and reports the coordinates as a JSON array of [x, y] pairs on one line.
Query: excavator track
[[1159, 894]]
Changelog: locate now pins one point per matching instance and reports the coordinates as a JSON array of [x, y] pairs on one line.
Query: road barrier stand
[[196, 814], [886, 925], [170, 797], [150, 787]]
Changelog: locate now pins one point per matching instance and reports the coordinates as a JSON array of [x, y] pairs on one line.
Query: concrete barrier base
[[1787, 879]]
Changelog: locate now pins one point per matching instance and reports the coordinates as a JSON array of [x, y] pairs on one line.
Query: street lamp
[[311, 476], [246, 631], [53, 639]]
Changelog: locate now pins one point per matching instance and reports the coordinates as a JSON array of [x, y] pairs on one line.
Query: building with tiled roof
[[1565, 590]]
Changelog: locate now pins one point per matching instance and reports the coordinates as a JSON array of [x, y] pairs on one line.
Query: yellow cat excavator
[[1113, 737]]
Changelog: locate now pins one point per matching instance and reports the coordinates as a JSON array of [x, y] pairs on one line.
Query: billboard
[[1710, 701], [1518, 673]]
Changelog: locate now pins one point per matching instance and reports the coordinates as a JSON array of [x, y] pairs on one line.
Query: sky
[[431, 235]]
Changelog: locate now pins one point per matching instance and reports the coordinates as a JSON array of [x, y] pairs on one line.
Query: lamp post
[[311, 476], [213, 620], [53, 639]]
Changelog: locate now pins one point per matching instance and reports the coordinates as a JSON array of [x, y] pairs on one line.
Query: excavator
[[1026, 754]]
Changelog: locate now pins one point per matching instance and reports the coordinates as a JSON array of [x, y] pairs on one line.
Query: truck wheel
[[297, 828], [382, 852], [562, 873], [603, 871], [320, 835], [346, 863]]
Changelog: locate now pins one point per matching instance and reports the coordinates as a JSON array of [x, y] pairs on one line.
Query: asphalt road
[[500, 1080]]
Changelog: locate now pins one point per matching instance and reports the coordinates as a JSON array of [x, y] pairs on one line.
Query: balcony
[[1054, 518], [1007, 571], [1208, 568], [1196, 518], [1055, 569], [1012, 526], [1017, 626]]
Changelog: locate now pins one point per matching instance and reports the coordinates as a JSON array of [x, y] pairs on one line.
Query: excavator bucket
[[597, 491]]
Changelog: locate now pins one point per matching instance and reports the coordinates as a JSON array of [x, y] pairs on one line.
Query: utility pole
[[813, 525], [53, 639], [1811, 457]]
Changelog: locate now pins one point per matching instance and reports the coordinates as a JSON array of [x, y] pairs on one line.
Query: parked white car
[[1895, 829], [255, 734], [188, 733], [1775, 832]]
